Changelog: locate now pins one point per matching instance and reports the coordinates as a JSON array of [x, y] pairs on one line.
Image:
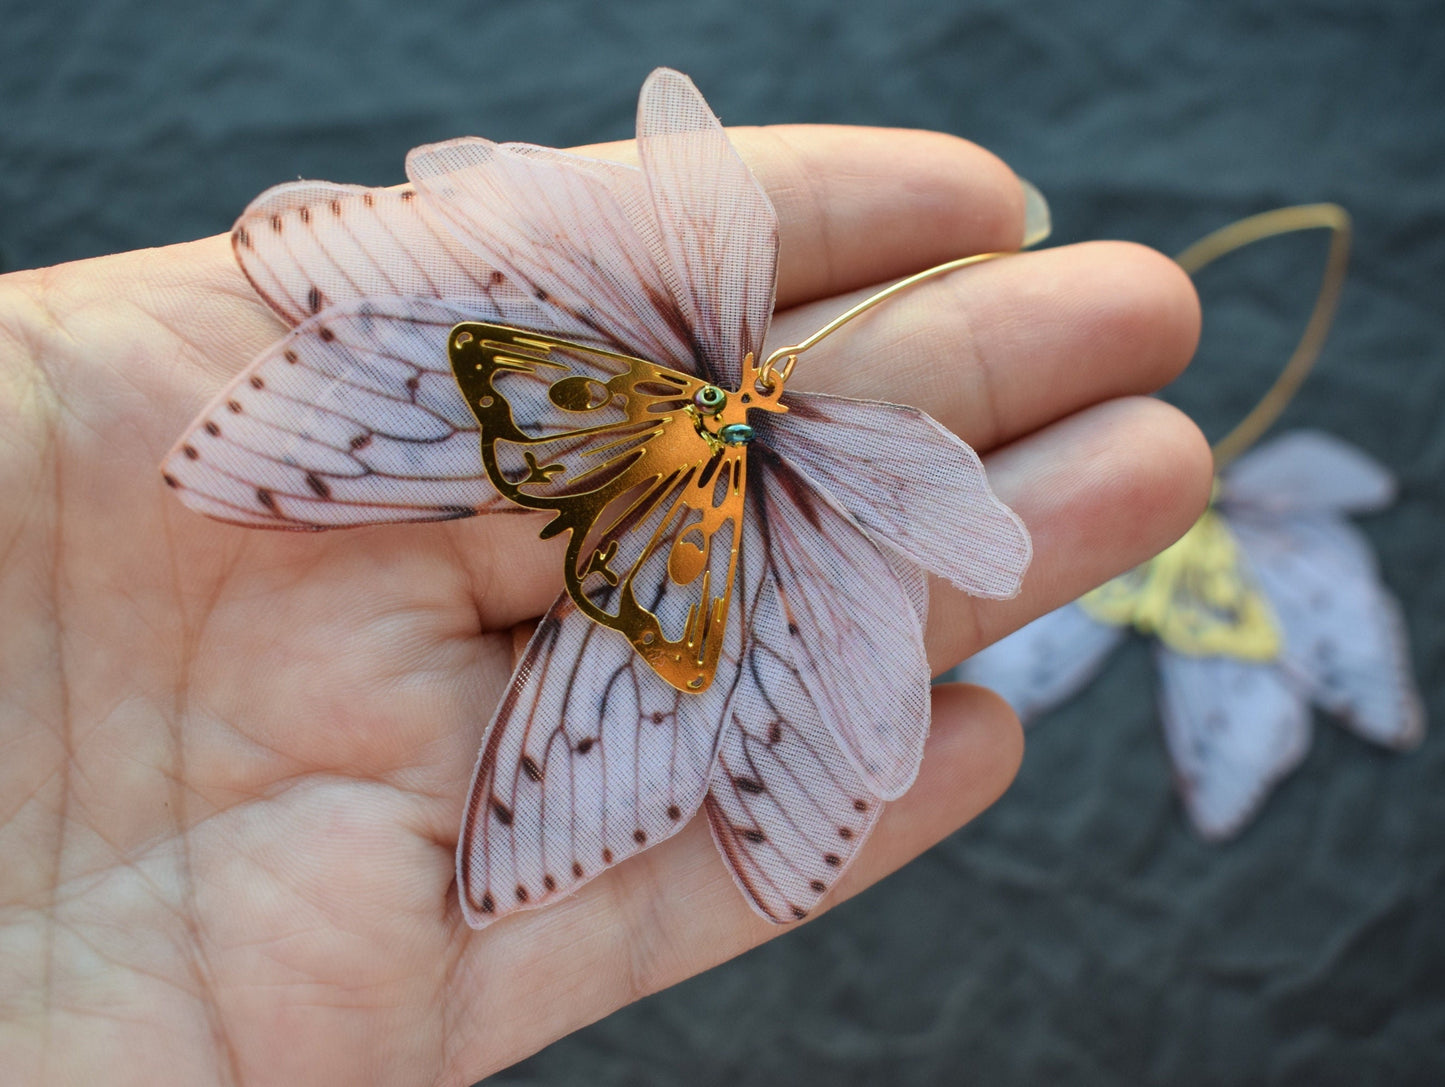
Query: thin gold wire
[[1271, 224], [1038, 226], [770, 364]]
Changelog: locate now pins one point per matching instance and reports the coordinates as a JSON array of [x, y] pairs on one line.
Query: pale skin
[[232, 763]]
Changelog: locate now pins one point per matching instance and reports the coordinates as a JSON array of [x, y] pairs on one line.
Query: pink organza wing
[[354, 417], [310, 245], [912, 484], [716, 224], [591, 758], [1233, 729], [560, 228], [914, 581], [787, 809], [351, 418], [855, 639]]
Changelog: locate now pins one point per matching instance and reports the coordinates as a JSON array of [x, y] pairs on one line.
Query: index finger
[[857, 206]]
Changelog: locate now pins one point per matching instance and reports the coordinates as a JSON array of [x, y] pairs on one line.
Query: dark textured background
[[1077, 933]]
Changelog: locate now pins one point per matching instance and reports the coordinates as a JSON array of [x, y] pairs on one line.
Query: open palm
[[234, 762]]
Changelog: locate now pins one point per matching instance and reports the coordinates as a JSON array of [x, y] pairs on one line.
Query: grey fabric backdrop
[[1076, 933]]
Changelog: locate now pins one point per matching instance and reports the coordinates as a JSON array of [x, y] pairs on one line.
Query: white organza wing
[[591, 757], [1343, 633], [1233, 729], [854, 634], [1307, 471], [1045, 663], [911, 483], [352, 418], [716, 224]]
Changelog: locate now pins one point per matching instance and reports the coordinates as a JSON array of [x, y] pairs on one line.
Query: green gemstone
[[736, 434]]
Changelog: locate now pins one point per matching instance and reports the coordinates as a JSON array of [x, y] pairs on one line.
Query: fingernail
[[1038, 224]]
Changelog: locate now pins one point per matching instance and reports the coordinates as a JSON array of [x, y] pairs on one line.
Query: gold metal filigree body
[[644, 466], [1195, 596]]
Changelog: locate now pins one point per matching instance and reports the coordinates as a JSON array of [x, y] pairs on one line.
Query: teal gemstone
[[710, 399], [736, 434]]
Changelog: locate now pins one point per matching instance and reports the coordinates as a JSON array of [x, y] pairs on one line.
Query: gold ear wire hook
[[1037, 227], [1256, 228], [790, 354]]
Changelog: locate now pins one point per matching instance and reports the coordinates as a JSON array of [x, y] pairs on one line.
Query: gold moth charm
[[644, 466]]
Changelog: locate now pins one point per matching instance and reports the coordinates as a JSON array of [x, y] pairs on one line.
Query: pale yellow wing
[[1196, 597]]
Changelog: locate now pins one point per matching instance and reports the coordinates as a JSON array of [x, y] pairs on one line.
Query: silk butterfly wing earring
[[1270, 602], [741, 623]]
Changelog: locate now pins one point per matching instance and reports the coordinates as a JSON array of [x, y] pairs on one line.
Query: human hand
[[234, 762]]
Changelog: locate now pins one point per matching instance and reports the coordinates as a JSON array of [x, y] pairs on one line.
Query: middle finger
[[1000, 349]]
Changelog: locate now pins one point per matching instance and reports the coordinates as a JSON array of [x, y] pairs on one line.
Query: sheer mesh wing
[[1307, 471], [855, 639], [1343, 635], [590, 758], [1233, 729], [352, 418], [912, 484], [914, 581], [308, 245], [1046, 662], [787, 809], [562, 229], [717, 225]]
